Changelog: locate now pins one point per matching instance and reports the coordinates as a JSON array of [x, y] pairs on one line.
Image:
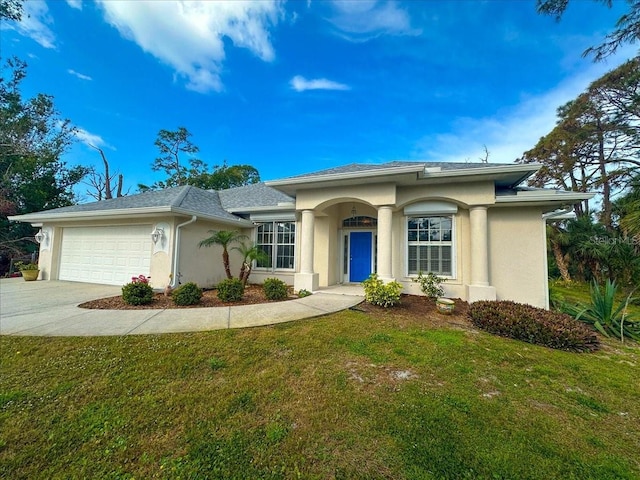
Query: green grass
[[345, 396], [580, 292]]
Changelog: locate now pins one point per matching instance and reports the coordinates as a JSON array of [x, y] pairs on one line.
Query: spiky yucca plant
[[604, 315]]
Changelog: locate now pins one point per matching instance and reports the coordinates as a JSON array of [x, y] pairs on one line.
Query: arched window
[[360, 222]]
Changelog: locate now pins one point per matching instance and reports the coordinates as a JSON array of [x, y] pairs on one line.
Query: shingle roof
[[155, 198], [252, 196], [187, 198], [368, 167]]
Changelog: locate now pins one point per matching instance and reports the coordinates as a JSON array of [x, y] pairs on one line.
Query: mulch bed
[[416, 307], [253, 294], [411, 307]]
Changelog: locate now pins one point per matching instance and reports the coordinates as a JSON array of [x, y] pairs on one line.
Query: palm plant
[[604, 315], [559, 239], [223, 238], [250, 253]]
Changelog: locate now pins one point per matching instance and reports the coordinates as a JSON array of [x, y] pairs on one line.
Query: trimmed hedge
[[533, 325], [376, 292], [187, 294], [137, 293], [275, 289], [230, 290]]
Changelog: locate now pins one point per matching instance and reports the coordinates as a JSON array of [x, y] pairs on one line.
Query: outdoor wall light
[[354, 212], [157, 234], [41, 236]]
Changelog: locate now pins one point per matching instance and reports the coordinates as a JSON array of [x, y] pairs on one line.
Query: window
[[430, 245], [277, 240]]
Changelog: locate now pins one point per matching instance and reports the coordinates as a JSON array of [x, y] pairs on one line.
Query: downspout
[[175, 261]]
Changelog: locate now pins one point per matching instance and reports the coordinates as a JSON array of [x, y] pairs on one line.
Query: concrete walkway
[[50, 308]]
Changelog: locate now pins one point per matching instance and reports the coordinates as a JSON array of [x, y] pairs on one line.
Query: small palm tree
[[250, 253], [223, 238]]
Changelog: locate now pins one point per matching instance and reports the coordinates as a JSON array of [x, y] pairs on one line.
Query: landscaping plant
[[604, 315], [532, 325], [187, 294], [275, 289], [250, 253], [230, 290], [223, 238], [430, 284], [137, 292], [376, 292]]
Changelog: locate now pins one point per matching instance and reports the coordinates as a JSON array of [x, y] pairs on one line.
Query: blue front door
[[359, 256]]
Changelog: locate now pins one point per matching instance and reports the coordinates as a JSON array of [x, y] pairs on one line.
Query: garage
[[108, 255]]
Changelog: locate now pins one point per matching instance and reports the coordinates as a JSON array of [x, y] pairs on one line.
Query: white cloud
[[301, 84], [188, 36], [365, 19], [77, 4], [79, 75], [34, 23], [510, 133], [90, 139]]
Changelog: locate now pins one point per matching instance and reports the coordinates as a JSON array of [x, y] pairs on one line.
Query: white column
[[306, 242], [306, 279], [385, 215], [479, 246], [479, 287]]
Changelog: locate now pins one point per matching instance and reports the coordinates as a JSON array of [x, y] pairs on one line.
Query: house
[[473, 223]]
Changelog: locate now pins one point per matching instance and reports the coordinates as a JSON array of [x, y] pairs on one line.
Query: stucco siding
[[373, 194], [482, 193], [517, 261], [204, 265]]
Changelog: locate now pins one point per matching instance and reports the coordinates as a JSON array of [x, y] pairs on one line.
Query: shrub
[[603, 315], [187, 294], [275, 289], [533, 325], [304, 293], [26, 266], [430, 284], [137, 293], [376, 292], [230, 290]]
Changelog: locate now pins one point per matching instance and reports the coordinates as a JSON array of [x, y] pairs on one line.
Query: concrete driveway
[[50, 308]]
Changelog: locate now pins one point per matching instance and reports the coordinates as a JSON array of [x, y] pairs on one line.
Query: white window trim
[[274, 251], [454, 244]]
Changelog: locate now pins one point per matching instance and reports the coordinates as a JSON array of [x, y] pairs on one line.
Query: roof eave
[[551, 198], [237, 221], [122, 213], [90, 215], [279, 208], [526, 169], [346, 176]]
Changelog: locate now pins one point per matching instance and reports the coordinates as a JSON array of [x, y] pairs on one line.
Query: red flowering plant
[[140, 279]]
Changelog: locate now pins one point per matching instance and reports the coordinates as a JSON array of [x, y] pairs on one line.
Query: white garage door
[[108, 255]]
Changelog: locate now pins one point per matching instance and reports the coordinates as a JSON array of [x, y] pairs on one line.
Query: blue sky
[[297, 86]]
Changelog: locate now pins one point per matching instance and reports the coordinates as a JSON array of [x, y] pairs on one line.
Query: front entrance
[[360, 256]]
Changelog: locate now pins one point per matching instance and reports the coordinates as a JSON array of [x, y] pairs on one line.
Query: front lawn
[[352, 395]]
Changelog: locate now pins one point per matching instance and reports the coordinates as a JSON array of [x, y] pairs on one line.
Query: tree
[[250, 253], [225, 176], [558, 240], [11, 9], [223, 238], [100, 183], [627, 212], [627, 28], [33, 139], [595, 144], [172, 143]]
